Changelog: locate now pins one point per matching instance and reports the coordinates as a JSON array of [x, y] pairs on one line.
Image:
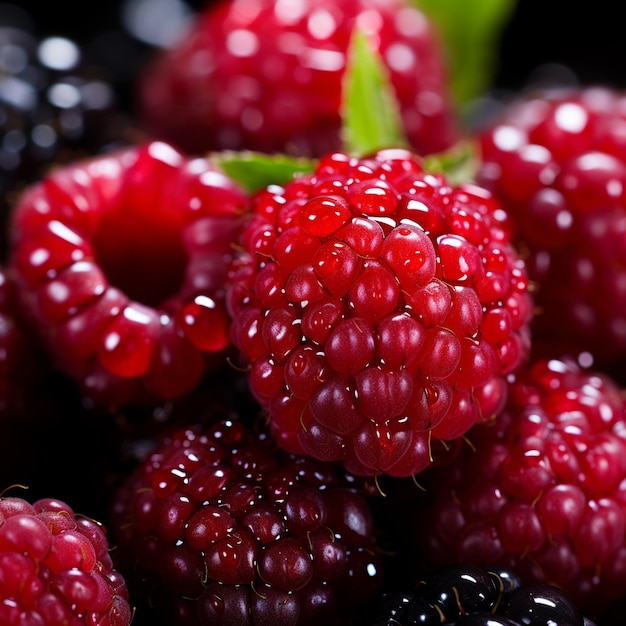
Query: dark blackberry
[[469, 595], [540, 604], [55, 105]]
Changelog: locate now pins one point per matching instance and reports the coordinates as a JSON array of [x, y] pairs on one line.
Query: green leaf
[[256, 170], [459, 163], [471, 31], [369, 109]]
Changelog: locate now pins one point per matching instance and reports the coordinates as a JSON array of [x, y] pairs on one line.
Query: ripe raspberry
[[557, 161], [379, 309], [120, 261], [55, 568], [219, 527], [543, 489], [267, 76]]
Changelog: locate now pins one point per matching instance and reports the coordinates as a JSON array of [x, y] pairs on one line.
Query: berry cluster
[[55, 567], [379, 309], [541, 491], [286, 343], [557, 161], [220, 528], [227, 85]]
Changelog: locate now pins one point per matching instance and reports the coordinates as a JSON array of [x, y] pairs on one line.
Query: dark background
[[588, 38]]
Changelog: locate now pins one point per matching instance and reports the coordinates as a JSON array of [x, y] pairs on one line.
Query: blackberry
[[55, 105], [471, 595]]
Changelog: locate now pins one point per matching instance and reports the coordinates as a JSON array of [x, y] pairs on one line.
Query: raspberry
[[557, 161], [56, 104], [379, 310], [542, 490], [219, 527], [268, 76], [120, 261], [55, 567], [470, 595]]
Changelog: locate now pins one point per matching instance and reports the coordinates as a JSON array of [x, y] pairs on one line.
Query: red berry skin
[[218, 526], [120, 266], [358, 302], [267, 76], [541, 489], [55, 567], [556, 159]]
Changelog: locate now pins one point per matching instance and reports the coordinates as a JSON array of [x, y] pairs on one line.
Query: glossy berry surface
[[541, 490], [557, 161], [56, 105], [120, 262], [462, 594], [217, 526], [268, 76], [379, 310], [55, 568]]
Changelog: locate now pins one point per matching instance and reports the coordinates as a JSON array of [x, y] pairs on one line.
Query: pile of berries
[[275, 353]]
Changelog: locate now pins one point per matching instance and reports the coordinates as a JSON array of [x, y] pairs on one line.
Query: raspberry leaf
[[470, 33], [459, 163], [369, 109], [256, 170]]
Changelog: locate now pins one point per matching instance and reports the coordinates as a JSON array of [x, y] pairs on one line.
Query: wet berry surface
[[363, 394]]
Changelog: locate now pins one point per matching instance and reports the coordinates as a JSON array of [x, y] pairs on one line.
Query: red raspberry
[[268, 76], [379, 309], [55, 568], [557, 161], [120, 261], [220, 527], [542, 489]]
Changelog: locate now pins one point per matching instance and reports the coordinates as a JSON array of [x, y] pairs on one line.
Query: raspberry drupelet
[[218, 526], [268, 75], [542, 489], [55, 568], [379, 310], [120, 262]]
